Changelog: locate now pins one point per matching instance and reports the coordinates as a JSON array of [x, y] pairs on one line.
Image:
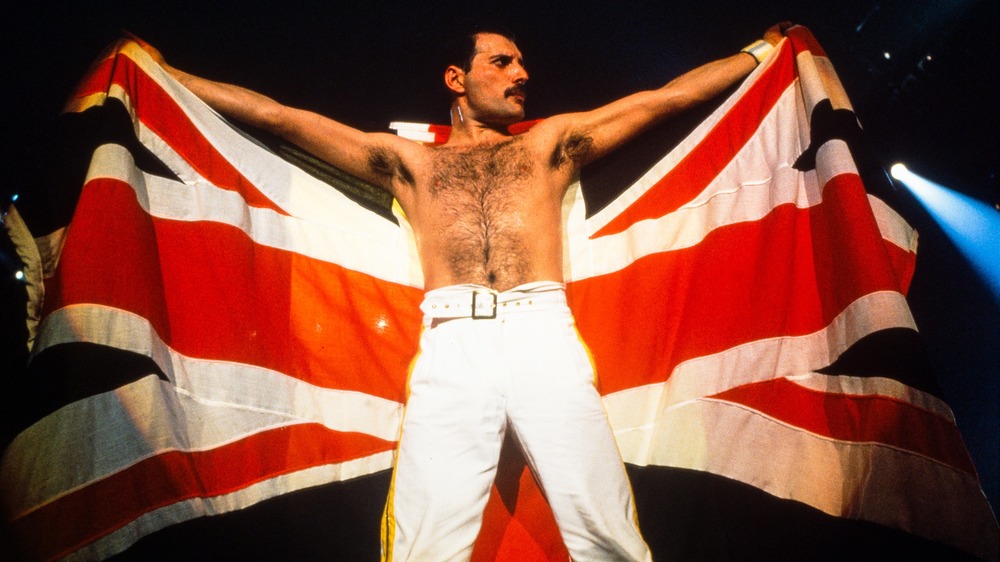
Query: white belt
[[483, 303]]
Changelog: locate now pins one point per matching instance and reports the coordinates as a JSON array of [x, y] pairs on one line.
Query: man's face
[[494, 85]]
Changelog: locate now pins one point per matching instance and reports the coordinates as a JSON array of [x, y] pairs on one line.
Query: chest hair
[[481, 190]]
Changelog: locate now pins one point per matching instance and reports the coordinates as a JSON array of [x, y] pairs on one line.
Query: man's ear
[[454, 79]]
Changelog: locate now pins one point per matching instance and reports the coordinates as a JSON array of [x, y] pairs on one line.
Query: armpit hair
[[575, 149], [386, 164]]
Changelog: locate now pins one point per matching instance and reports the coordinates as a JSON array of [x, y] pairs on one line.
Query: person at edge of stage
[[499, 350]]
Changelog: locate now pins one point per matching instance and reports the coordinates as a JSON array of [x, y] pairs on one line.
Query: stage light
[[972, 225], [19, 275]]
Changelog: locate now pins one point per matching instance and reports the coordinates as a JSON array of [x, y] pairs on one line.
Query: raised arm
[[373, 157], [608, 127]]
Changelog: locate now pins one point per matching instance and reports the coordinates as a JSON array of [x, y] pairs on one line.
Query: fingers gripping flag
[[225, 340]]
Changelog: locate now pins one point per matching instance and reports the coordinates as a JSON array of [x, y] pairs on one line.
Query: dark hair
[[462, 48]]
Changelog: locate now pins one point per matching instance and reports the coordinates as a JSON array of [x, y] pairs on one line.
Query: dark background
[[369, 63]]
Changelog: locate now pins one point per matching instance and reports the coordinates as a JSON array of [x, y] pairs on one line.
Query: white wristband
[[759, 50]]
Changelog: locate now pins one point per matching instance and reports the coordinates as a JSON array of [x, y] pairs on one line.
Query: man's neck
[[467, 131]]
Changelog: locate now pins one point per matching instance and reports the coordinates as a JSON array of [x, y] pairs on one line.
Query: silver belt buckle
[[492, 307]]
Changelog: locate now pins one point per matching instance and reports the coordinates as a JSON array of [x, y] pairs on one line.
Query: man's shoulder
[[404, 149], [563, 139]]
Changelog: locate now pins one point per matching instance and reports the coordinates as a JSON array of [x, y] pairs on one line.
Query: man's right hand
[[151, 50]]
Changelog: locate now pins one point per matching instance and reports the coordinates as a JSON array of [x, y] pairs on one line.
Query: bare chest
[[481, 173], [480, 210]]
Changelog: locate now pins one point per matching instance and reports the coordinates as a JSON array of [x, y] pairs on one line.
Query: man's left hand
[[776, 32]]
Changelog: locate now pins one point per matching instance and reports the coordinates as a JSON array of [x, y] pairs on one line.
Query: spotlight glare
[[972, 225], [19, 275], [887, 55]]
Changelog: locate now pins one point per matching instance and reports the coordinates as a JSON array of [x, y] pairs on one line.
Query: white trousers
[[525, 370]]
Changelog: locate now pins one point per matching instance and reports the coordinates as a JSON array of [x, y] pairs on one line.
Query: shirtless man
[[499, 348]]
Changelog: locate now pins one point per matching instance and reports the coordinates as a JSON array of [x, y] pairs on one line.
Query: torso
[[487, 214]]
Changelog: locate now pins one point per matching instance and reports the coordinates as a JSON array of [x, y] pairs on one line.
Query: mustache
[[518, 90]]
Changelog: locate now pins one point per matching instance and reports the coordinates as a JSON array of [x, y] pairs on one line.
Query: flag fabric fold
[[225, 339]]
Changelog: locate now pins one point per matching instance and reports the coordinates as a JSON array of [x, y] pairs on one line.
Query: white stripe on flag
[[175, 513], [220, 402], [634, 412], [679, 152], [790, 463], [757, 180], [380, 248]]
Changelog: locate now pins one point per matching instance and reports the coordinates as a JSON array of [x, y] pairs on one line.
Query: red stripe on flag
[[788, 274], [81, 517], [161, 114], [857, 418], [210, 292], [97, 80], [707, 160], [517, 522], [110, 262]]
